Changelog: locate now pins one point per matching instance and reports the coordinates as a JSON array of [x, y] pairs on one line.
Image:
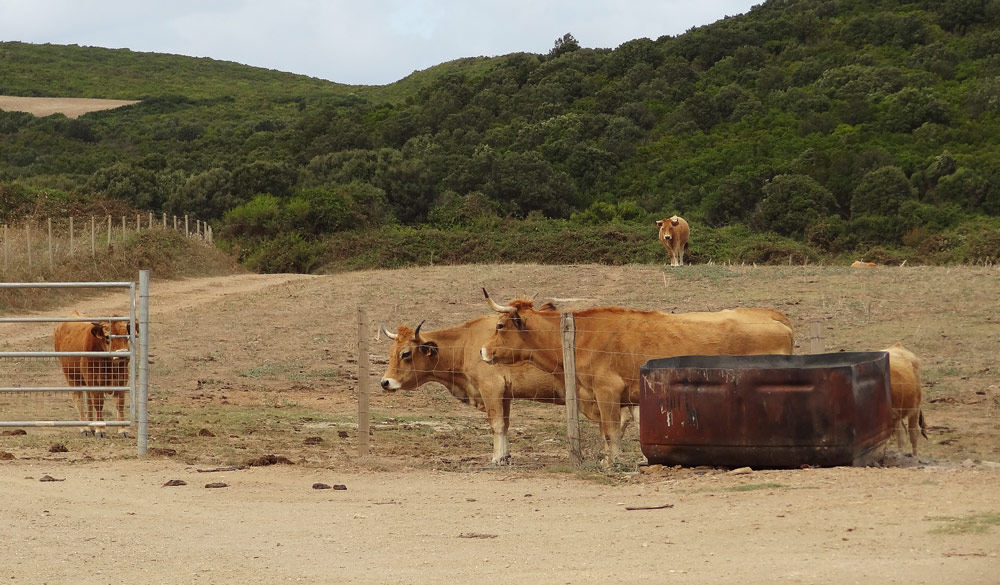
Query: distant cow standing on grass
[[674, 233], [904, 378], [94, 371]]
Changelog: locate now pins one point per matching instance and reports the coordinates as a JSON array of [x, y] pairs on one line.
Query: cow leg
[[498, 412], [673, 258], [609, 403], [79, 401], [913, 426], [97, 402], [897, 427], [123, 432]]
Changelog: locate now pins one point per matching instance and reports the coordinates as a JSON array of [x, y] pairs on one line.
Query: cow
[[861, 264], [904, 379], [674, 232], [451, 358], [73, 336], [613, 342]]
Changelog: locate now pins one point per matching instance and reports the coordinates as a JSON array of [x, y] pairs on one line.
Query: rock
[[48, 477], [174, 482], [217, 484], [320, 486], [58, 448], [741, 471], [339, 486]]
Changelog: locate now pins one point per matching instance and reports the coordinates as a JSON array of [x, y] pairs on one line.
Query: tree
[[791, 204], [564, 44]]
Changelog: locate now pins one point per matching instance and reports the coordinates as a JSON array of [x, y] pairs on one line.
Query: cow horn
[[387, 334], [416, 333], [495, 306]]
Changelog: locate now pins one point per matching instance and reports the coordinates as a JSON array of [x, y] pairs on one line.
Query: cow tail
[[923, 427]]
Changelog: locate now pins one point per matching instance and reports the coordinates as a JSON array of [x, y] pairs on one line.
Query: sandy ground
[[70, 107], [111, 519]]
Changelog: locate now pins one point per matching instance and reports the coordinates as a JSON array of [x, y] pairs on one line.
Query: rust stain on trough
[[765, 410]]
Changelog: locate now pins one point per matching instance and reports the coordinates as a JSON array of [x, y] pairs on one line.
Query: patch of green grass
[[970, 524]]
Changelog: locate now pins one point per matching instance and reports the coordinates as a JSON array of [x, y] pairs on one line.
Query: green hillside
[[801, 131]]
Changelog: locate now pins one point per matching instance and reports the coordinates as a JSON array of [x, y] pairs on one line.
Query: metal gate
[[13, 363]]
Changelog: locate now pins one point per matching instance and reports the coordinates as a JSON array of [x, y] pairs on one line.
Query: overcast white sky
[[369, 42]]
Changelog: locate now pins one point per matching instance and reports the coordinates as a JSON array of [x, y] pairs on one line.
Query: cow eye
[[405, 355], [499, 325]]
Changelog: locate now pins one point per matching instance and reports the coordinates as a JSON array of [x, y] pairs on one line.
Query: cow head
[[666, 226], [411, 359], [522, 333]]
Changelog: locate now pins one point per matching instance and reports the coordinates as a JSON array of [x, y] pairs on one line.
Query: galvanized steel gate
[[138, 356]]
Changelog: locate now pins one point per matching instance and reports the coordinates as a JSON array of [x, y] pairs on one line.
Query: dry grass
[[69, 107]]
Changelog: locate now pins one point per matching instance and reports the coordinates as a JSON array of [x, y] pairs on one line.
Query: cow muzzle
[[487, 357], [390, 384]]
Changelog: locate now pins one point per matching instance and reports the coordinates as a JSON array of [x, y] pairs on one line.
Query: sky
[[357, 42]]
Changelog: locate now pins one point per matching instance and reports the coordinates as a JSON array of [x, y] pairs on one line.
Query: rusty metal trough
[[765, 411]]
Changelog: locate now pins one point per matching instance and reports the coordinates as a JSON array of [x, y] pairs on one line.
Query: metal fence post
[[142, 389]]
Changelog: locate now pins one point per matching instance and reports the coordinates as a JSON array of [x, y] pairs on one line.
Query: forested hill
[[841, 126]]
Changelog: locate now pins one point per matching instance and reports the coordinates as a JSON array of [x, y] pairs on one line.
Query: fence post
[[109, 231], [150, 220], [93, 237], [816, 342], [164, 220], [568, 327], [6, 249], [124, 229], [175, 223], [50, 243], [142, 387], [27, 237], [138, 222], [186, 232], [71, 236], [363, 368]]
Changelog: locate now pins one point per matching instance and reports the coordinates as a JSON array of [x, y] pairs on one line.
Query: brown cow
[[904, 378], [95, 371], [861, 264], [451, 358], [674, 233], [612, 343]]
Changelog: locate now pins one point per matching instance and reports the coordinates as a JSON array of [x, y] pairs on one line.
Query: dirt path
[[112, 519]]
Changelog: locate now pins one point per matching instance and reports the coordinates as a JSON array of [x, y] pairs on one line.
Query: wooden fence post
[[6, 249], [187, 234], [109, 231], [363, 368], [51, 263], [124, 229], [93, 237], [71, 236], [164, 220], [27, 237], [568, 327], [816, 342]]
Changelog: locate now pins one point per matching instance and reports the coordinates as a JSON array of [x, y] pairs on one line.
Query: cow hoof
[[502, 462], [99, 434], [87, 433]]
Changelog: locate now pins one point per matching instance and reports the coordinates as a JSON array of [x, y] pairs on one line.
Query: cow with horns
[[613, 342], [451, 358]]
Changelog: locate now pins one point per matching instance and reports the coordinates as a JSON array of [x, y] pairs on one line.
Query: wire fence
[[32, 243], [571, 356]]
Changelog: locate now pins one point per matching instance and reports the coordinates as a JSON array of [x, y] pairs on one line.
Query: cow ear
[[549, 306], [674, 220], [429, 349], [659, 223], [518, 321], [97, 330]]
